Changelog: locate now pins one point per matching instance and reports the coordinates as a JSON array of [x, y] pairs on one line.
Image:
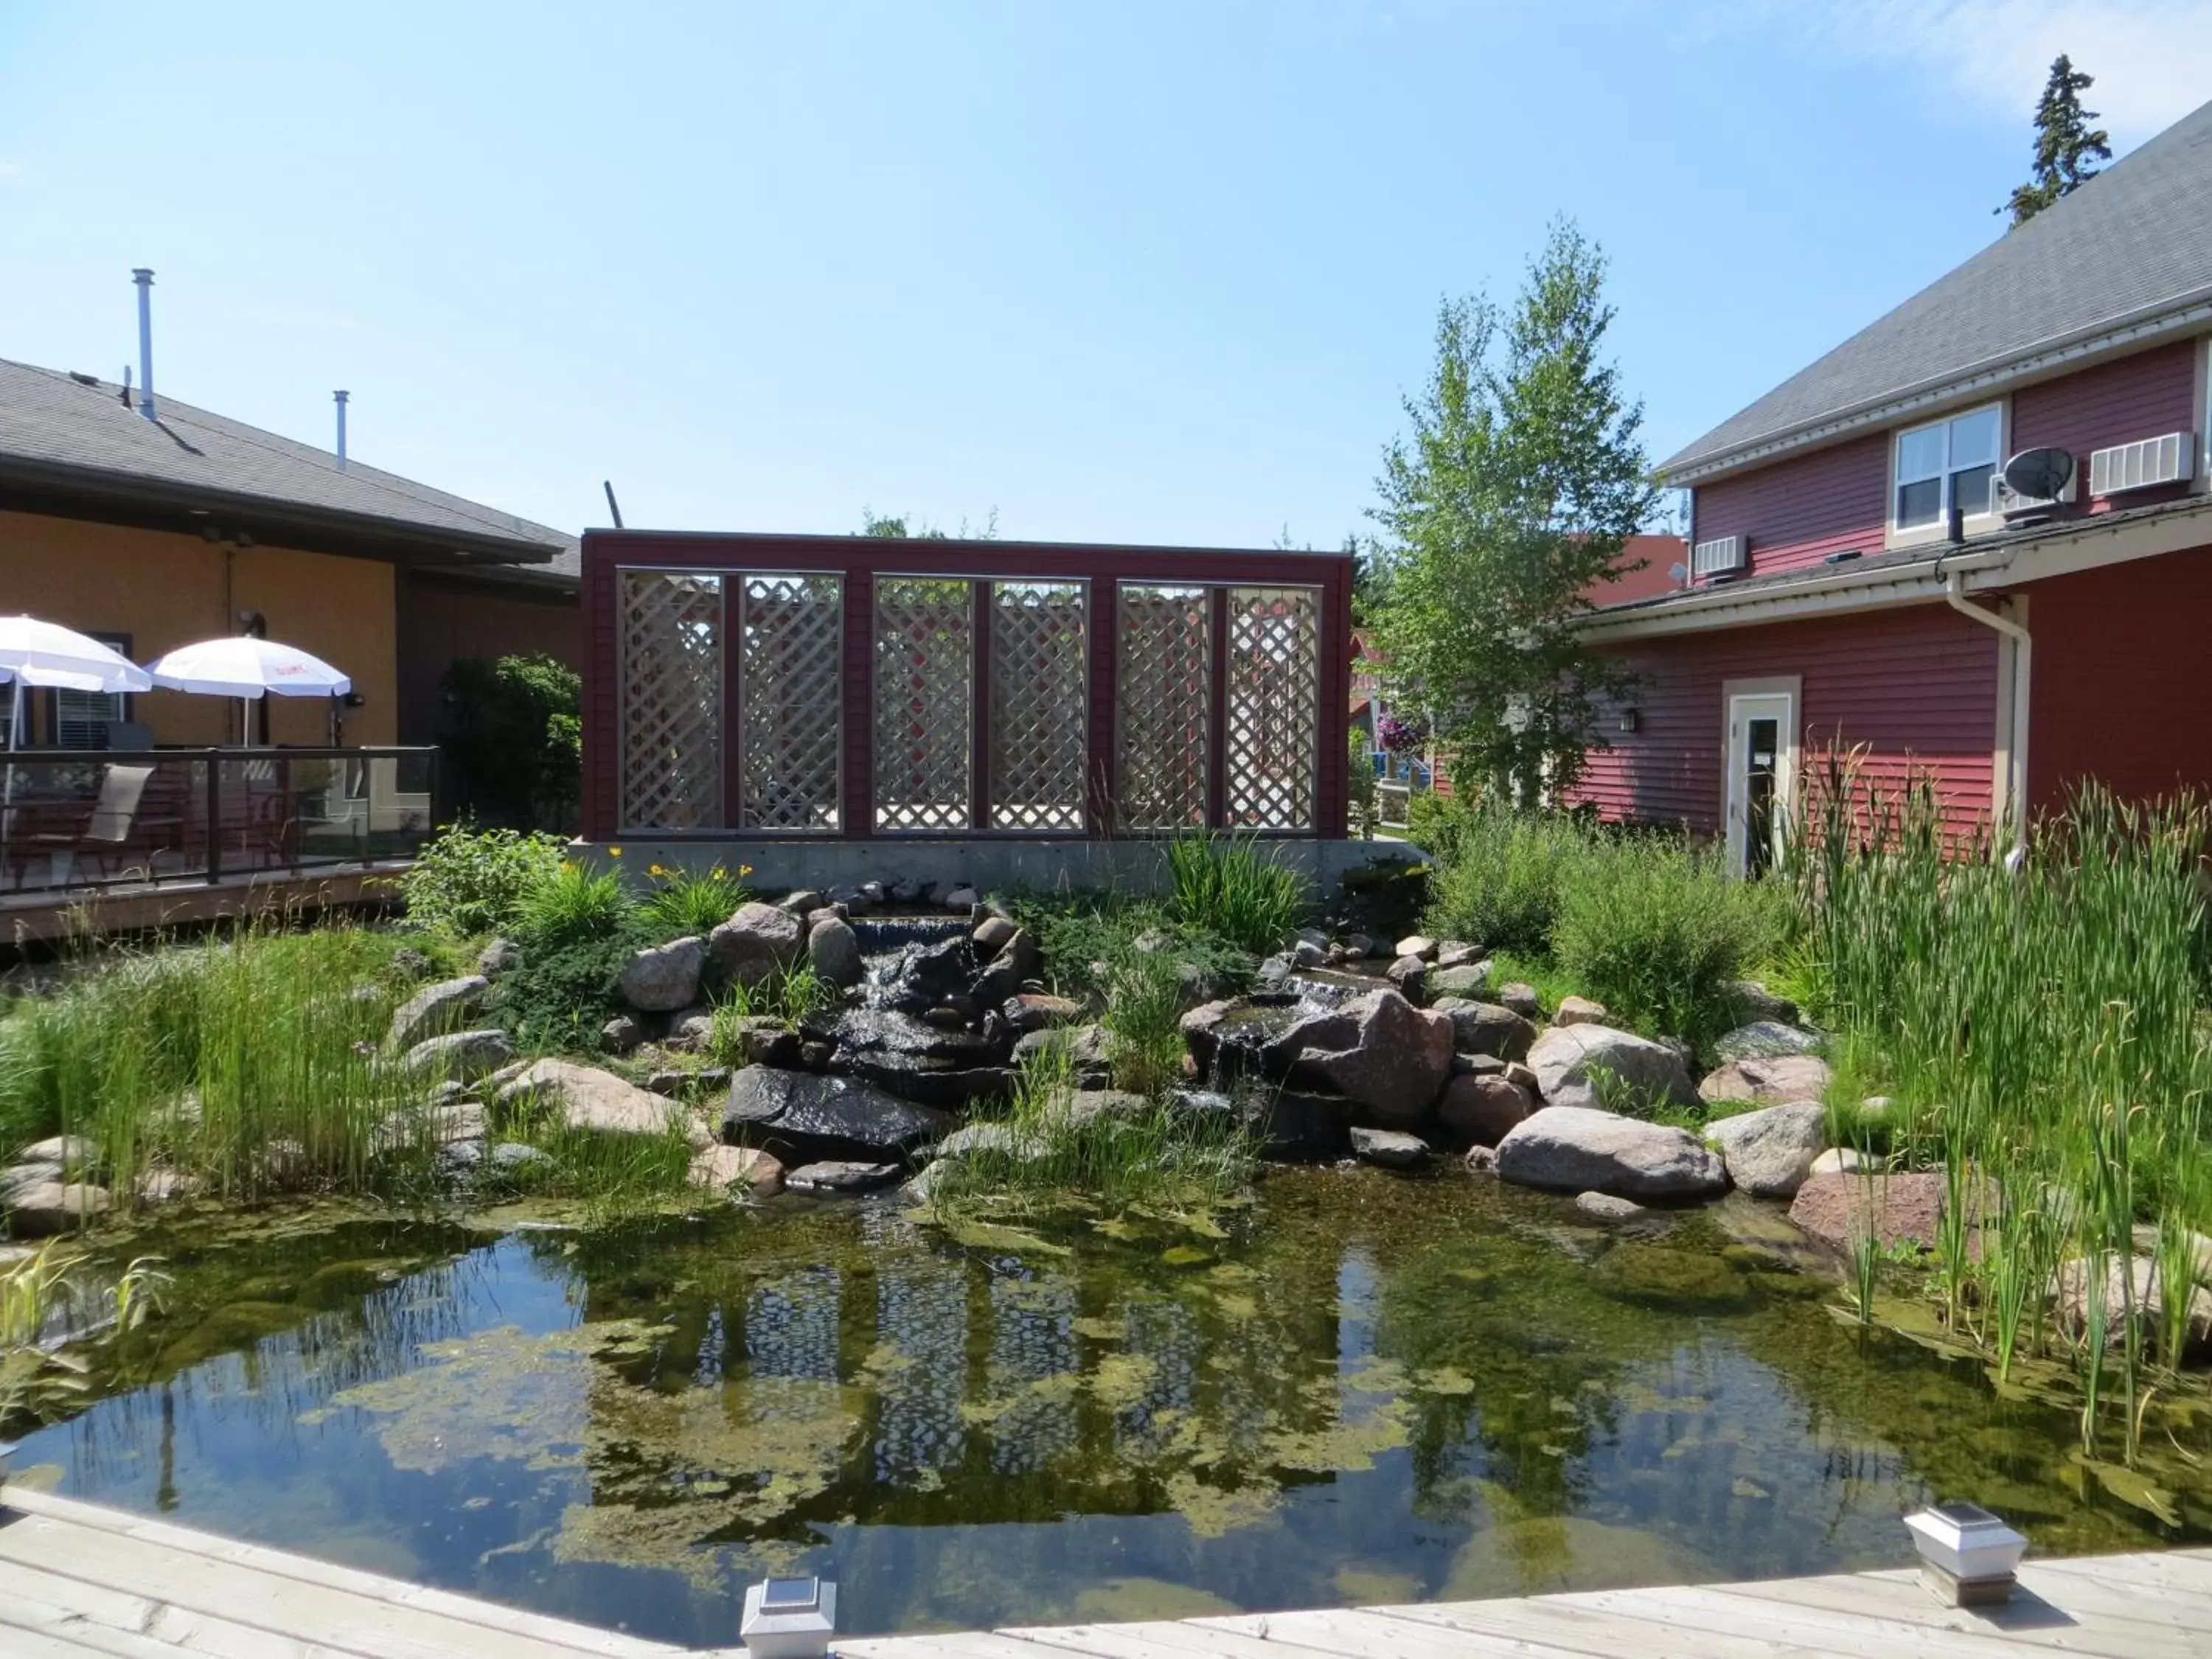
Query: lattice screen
[[925, 702], [1273, 682], [1039, 706], [671, 699], [1165, 696], [790, 687]]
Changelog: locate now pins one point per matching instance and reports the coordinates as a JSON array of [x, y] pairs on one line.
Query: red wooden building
[[1861, 575], [811, 689]]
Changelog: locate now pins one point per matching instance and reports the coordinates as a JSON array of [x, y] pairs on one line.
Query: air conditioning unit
[[1720, 557], [2139, 466]]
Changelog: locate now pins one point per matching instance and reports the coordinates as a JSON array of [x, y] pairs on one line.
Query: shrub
[[571, 905], [563, 991], [467, 880], [1657, 929], [514, 731], [1224, 885], [1500, 882]]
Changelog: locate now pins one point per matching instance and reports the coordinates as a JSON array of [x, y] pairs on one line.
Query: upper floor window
[[1946, 462]]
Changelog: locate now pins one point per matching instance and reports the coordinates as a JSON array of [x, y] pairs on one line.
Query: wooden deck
[[43, 917], [76, 1579]]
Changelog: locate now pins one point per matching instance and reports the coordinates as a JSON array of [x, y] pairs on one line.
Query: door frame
[[1789, 691]]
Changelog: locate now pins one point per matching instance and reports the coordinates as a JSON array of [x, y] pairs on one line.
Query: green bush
[[514, 731], [1657, 929], [1500, 882], [563, 991], [467, 880], [1226, 885], [571, 905]]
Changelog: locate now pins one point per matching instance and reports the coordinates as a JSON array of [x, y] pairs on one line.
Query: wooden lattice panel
[[1164, 698], [790, 690], [671, 699], [925, 702], [1272, 751], [1039, 706]]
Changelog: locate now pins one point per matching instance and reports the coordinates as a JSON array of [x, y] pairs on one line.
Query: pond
[[1364, 1389]]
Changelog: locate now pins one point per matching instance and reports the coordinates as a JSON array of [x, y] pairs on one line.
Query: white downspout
[[1954, 595]]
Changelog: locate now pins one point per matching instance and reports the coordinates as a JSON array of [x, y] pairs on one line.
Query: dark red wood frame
[[860, 559]]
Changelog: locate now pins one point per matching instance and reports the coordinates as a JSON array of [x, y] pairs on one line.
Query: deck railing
[[72, 819]]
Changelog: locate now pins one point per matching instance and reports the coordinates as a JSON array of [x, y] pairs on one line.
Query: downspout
[[1954, 595]]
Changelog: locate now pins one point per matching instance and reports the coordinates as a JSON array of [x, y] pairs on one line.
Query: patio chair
[[106, 832]]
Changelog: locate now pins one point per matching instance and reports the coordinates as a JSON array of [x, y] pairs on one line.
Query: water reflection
[[1373, 1391]]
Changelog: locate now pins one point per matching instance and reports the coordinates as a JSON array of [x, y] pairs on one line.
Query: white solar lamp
[[1967, 1555], [789, 1618], [7, 1453]]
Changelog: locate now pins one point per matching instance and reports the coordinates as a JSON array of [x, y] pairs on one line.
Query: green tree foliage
[[896, 527], [2067, 148], [1505, 506], [514, 732]]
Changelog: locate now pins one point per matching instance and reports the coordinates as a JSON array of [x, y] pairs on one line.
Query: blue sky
[[1119, 270]]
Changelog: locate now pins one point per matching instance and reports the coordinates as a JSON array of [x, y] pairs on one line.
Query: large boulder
[[1896, 1210], [758, 942], [585, 1098], [1489, 1028], [1392, 1149], [1465, 979], [1483, 1109], [803, 1118], [1574, 1149], [1580, 1011], [1769, 1152], [833, 949], [40, 1208], [435, 1009], [945, 1067], [1377, 1049], [460, 1054], [1768, 1079], [2139, 1285], [1578, 1065], [659, 979], [1763, 1039]]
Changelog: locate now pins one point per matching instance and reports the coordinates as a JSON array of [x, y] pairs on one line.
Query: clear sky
[[1124, 269]]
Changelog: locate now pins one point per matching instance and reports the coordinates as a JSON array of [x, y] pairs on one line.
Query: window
[[7, 715], [1946, 462], [80, 719]]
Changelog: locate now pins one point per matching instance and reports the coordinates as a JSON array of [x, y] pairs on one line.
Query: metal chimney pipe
[[144, 278], [339, 397]]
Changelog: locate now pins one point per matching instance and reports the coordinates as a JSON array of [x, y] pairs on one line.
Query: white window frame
[[1977, 519], [2203, 481], [1742, 699]]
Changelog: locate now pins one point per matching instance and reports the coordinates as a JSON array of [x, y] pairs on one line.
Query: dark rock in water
[[835, 950], [923, 975], [1294, 1126], [1482, 1108], [839, 1175], [1379, 1049], [803, 1118], [1389, 1148], [1651, 1275], [1230, 1038], [511, 1156], [1034, 1011]]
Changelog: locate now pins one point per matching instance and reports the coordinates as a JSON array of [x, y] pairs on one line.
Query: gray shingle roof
[[2133, 243], [54, 426]]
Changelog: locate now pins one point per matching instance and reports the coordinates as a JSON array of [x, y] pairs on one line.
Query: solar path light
[[1967, 1555], [789, 1618]]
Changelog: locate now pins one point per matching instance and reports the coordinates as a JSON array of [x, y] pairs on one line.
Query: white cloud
[[2152, 58]]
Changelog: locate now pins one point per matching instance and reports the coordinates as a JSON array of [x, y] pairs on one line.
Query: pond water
[[1369, 1389]]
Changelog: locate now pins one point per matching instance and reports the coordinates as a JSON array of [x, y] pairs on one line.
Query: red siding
[[2118, 687], [1917, 686], [2146, 396], [1798, 511], [1657, 556]]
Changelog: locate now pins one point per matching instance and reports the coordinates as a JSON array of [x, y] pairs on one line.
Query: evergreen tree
[[2067, 148], [1505, 507]]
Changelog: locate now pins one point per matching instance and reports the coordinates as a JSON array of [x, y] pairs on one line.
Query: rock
[[1481, 1160], [464, 1054], [458, 1159], [1764, 1038], [43, 1208], [677, 1080], [1377, 1049], [835, 950], [1017, 965], [1456, 953], [904, 890], [1876, 1106], [1483, 1109], [991, 935], [945, 1067], [1604, 1207], [1522, 1000], [512, 1157], [1898, 1209], [496, 957], [1582, 1064], [1490, 1028], [1580, 1011], [1358, 946], [659, 979], [163, 1186], [1768, 1080], [1685, 1281], [1755, 1002], [1477, 1065], [408, 962], [764, 1039], [1306, 954], [1085, 1106], [802, 1117], [65, 1152], [435, 1009], [1575, 1149], [800, 902], [1841, 1160], [1516, 1072], [1272, 974], [622, 1034], [989, 1140], [874, 891], [2139, 1285], [718, 1168], [1201, 1032], [1459, 980], [585, 1098], [1389, 1147], [1769, 1152], [963, 898], [758, 942], [1034, 1011], [849, 899], [1411, 975], [1416, 945], [690, 1031], [840, 1176], [1292, 1125], [1084, 1046]]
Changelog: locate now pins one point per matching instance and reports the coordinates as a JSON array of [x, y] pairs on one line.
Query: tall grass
[[2041, 1030], [1501, 873], [1228, 885]]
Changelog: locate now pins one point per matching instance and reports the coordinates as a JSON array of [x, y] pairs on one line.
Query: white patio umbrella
[[44, 653], [243, 666]]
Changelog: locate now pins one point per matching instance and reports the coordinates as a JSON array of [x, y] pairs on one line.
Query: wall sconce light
[[789, 1618], [1630, 721], [1967, 1555], [353, 700]]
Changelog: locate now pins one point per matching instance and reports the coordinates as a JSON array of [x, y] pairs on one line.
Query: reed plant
[[684, 903], [1229, 886]]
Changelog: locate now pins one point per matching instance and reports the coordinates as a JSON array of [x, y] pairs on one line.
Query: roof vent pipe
[[144, 278], [339, 397]]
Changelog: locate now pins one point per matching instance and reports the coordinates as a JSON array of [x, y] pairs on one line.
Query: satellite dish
[[1681, 573], [2040, 475]]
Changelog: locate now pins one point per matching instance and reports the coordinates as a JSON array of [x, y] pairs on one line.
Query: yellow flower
[[614, 852], [656, 872], [745, 870]]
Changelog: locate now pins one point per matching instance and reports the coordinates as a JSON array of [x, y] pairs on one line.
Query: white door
[[1762, 776]]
